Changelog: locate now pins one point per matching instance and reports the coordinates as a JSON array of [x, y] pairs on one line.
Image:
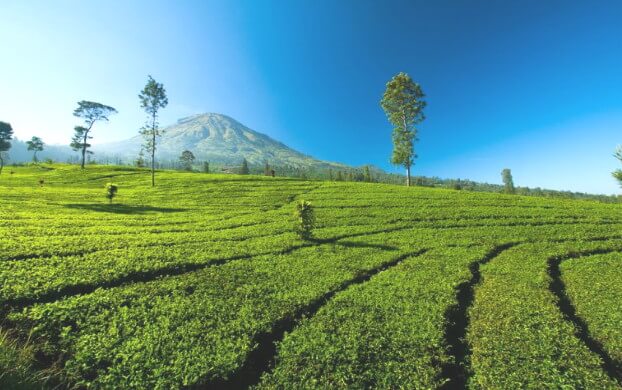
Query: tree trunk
[[410, 155], [1, 163], [86, 134], [153, 159], [83, 156]]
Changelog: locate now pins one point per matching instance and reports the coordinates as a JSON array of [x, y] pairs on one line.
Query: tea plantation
[[203, 283]]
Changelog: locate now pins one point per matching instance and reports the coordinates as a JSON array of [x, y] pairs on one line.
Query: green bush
[[111, 191], [305, 219]]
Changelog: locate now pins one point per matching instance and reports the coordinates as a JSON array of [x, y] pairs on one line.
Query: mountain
[[216, 138]]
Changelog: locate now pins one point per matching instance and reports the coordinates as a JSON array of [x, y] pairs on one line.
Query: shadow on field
[[350, 244], [122, 208], [353, 244]]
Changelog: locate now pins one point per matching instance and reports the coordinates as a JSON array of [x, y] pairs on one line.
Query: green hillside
[[201, 282]]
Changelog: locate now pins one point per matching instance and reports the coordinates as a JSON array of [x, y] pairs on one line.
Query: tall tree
[[140, 160], [152, 99], [35, 145], [267, 170], [617, 173], [6, 135], [367, 174], [186, 159], [90, 112], [508, 181], [403, 104], [244, 169]]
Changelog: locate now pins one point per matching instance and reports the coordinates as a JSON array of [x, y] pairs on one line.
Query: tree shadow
[[122, 208], [353, 244]]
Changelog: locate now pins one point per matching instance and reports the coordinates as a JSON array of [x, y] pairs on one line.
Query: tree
[[617, 173], [6, 135], [140, 160], [111, 191], [267, 170], [305, 219], [152, 99], [403, 104], [186, 159], [244, 169], [367, 174], [508, 182], [36, 145], [90, 112], [206, 167]]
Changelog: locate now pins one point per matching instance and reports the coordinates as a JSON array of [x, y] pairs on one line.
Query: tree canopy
[[244, 170], [508, 181], [90, 112], [617, 174], [6, 135], [35, 145], [403, 104], [152, 99], [186, 159]]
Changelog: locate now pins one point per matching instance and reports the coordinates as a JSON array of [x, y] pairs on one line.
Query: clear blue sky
[[535, 86]]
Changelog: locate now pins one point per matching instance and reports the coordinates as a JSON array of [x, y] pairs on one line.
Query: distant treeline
[[366, 173]]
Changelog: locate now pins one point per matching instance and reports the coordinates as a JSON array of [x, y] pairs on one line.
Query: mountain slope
[[217, 138]]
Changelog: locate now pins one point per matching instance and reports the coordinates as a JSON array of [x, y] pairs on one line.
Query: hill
[[201, 282], [211, 137], [220, 139]]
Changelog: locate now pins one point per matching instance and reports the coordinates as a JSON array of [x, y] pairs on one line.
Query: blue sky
[[535, 86]]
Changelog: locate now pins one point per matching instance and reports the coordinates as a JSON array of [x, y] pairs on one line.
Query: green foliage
[[36, 145], [617, 174], [79, 139], [368, 329], [518, 335], [6, 135], [17, 366], [175, 289], [305, 219], [152, 99], [367, 174], [403, 104], [90, 112], [593, 286], [508, 182], [111, 191], [244, 168], [140, 160], [186, 159]]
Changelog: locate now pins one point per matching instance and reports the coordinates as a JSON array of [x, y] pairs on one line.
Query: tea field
[[202, 283]]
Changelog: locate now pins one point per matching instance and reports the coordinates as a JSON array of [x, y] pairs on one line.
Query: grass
[[19, 366], [203, 282]]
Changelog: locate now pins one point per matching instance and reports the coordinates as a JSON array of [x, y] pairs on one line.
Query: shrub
[[111, 191], [306, 219]]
